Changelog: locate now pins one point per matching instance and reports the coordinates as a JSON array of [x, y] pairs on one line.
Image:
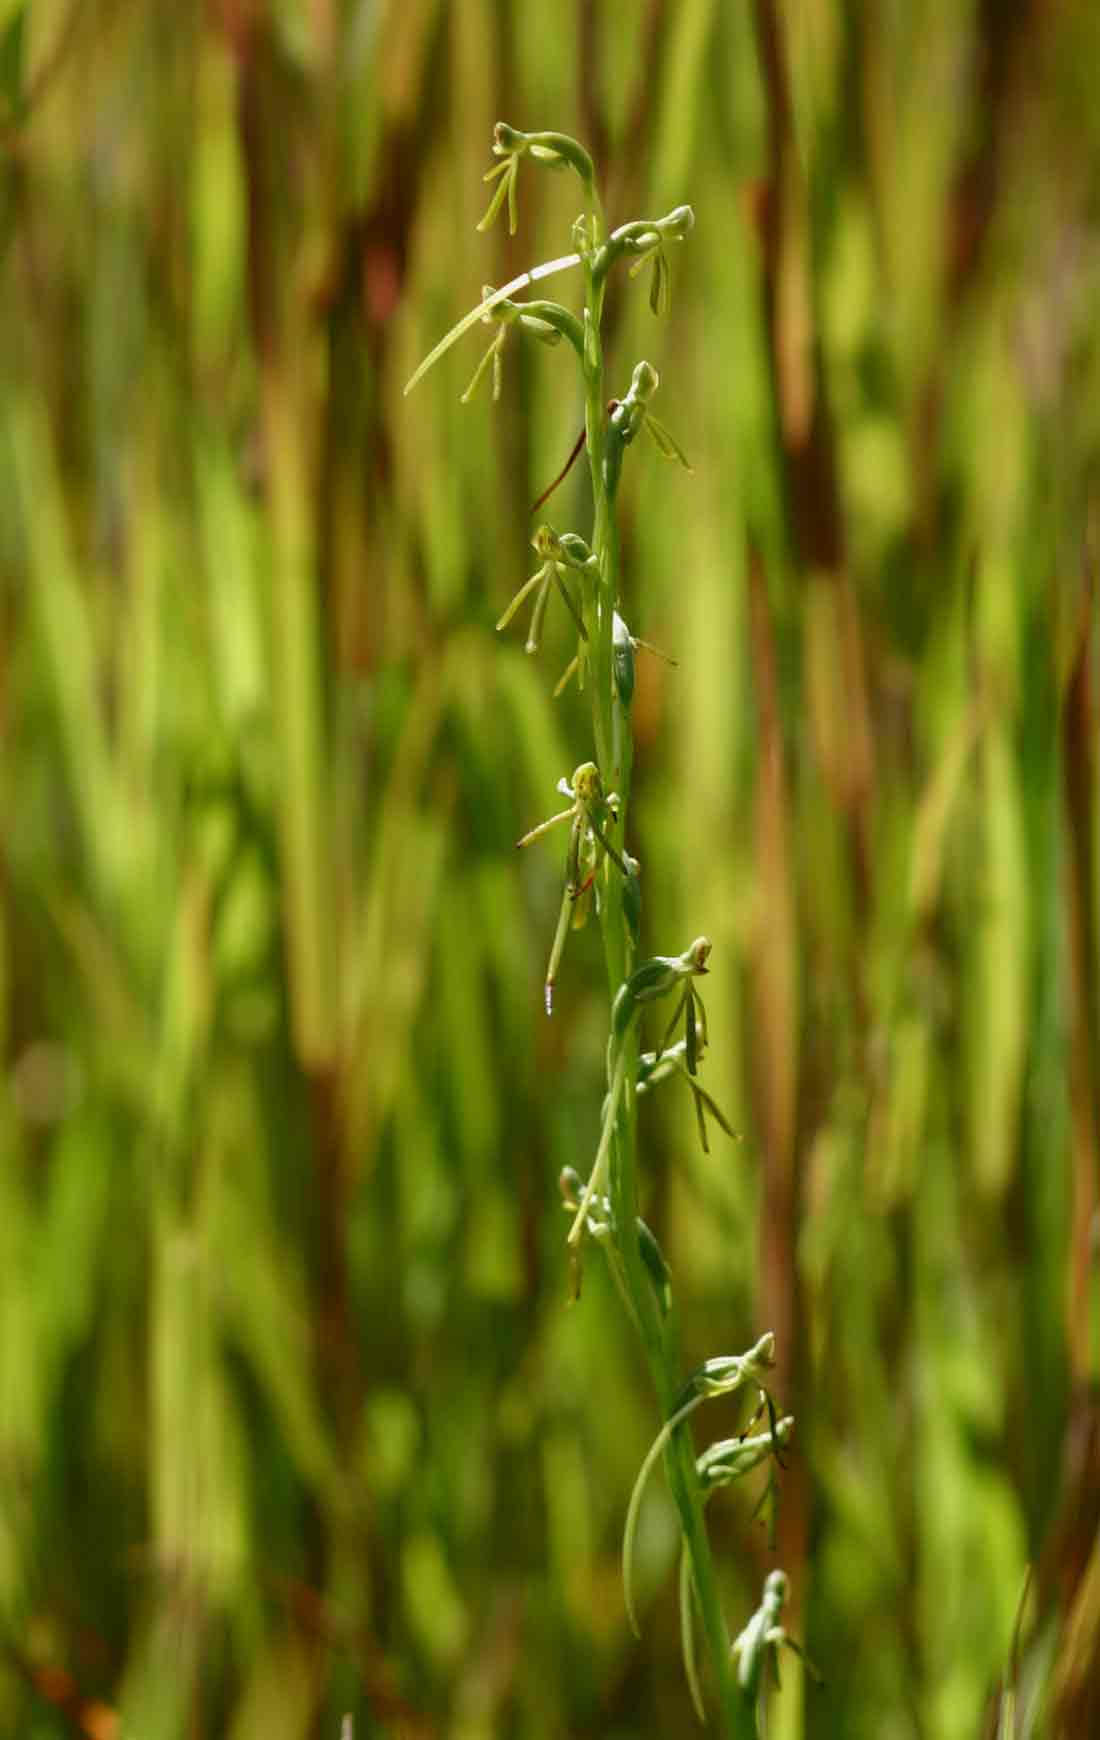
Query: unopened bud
[[678, 224], [644, 382]]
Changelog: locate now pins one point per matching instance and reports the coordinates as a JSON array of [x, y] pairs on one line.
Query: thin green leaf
[[633, 1510], [687, 1635]]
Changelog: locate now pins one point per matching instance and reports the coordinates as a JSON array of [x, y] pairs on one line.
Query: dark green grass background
[[294, 1416]]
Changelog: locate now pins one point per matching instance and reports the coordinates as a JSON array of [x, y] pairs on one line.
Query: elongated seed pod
[[658, 1270], [622, 649]]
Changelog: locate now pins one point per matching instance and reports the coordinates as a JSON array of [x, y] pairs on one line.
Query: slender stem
[[614, 752]]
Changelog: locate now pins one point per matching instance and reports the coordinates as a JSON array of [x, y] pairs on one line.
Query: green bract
[[736, 1371]]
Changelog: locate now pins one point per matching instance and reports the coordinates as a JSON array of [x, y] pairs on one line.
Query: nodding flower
[[557, 554], [590, 814], [549, 150]]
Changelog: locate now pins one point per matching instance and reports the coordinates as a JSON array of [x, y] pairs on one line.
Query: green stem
[[611, 728]]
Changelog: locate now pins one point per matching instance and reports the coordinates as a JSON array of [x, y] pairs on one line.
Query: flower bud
[[678, 224], [574, 550], [644, 382]]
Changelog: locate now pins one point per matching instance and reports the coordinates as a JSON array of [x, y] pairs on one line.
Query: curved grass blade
[[536, 273], [687, 1636], [630, 1529]]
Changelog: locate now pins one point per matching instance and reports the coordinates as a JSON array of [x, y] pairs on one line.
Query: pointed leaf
[[687, 1635], [633, 1509]]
